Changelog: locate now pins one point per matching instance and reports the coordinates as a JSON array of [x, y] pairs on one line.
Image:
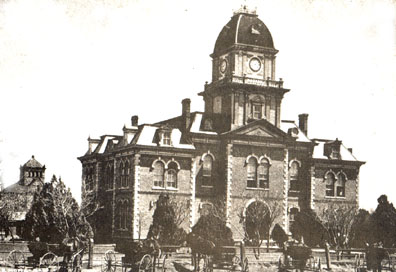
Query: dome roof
[[243, 28]]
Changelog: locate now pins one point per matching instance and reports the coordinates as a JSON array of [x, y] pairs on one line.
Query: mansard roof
[[345, 153]]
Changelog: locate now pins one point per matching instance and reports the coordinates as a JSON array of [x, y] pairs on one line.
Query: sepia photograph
[[177, 136]]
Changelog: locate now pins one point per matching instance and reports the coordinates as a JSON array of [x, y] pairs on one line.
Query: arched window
[[330, 181], [89, 179], [263, 173], [124, 214], [127, 173], [171, 175], [118, 215], [207, 170], [252, 173], [340, 185], [294, 184], [120, 174], [159, 174]]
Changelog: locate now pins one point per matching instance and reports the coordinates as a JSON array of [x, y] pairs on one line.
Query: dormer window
[[166, 138], [163, 136]]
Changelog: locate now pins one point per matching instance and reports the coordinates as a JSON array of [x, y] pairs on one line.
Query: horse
[[199, 247]]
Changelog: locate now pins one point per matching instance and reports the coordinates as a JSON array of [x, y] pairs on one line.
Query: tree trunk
[[268, 240]]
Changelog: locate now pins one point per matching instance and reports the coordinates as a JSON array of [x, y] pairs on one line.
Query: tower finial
[[245, 9]]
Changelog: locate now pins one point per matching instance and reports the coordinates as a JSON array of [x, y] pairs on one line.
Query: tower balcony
[[254, 81]]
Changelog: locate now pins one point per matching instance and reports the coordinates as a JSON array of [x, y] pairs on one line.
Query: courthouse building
[[238, 150]]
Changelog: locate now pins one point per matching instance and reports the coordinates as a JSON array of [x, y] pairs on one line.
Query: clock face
[[255, 64], [223, 66]]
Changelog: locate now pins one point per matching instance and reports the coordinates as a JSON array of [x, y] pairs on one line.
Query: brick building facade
[[238, 150]]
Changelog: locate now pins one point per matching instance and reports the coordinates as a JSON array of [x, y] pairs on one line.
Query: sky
[[70, 69]]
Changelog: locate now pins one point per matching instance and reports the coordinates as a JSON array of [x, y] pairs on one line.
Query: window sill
[[335, 197], [257, 189], [207, 186], [164, 188]]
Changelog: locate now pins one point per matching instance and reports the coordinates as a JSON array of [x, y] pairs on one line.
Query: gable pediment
[[259, 128], [257, 131]]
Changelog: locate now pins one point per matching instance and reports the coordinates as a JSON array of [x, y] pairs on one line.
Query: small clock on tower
[[223, 66], [255, 64]]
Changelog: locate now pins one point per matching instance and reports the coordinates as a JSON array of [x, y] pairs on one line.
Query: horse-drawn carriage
[[207, 255], [142, 256], [66, 256]]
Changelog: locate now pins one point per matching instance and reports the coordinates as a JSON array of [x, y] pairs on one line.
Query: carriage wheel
[[245, 266], [109, 262], [146, 264], [76, 262], [49, 259], [166, 263], [15, 258]]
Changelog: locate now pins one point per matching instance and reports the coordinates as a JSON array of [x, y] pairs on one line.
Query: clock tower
[[243, 87]]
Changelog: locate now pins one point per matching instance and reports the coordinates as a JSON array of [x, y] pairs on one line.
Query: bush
[[279, 235]]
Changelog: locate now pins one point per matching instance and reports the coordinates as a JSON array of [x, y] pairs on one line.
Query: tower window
[[257, 111]]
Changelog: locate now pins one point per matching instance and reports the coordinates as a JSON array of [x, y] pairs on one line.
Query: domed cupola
[[244, 28], [244, 47], [243, 87]]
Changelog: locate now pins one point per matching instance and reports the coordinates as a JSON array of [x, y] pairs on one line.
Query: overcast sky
[[74, 68]]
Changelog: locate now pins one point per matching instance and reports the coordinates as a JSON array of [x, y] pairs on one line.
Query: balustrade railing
[[256, 81]]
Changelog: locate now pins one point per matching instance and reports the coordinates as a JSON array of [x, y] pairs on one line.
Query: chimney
[[350, 150], [135, 120], [186, 113], [303, 122]]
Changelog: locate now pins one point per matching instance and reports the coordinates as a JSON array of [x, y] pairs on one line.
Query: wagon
[[17, 259], [145, 258]]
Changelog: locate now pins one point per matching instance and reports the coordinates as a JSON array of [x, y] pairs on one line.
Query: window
[[330, 180], [258, 174], [251, 173], [159, 174], [257, 111], [340, 185], [110, 176], [166, 138], [292, 215], [89, 182], [122, 215], [171, 175], [263, 171], [127, 173], [294, 169], [207, 170]]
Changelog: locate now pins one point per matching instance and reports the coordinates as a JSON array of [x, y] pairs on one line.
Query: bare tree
[[338, 220], [258, 220], [90, 203]]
